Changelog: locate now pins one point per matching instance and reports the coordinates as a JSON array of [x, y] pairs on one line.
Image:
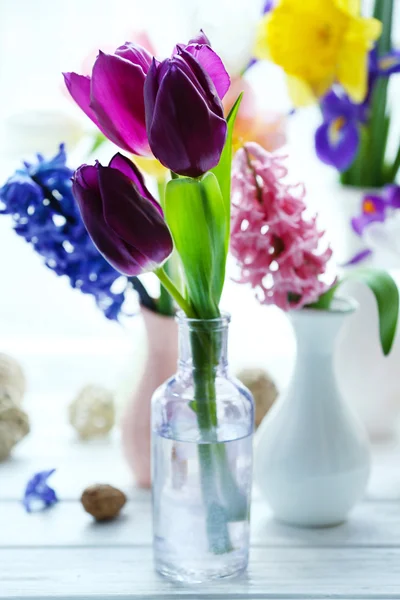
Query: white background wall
[[40, 316]]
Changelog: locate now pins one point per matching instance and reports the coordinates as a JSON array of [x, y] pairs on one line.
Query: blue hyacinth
[[39, 199]]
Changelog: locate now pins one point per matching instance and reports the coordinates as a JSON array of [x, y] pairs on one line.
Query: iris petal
[[339, 149]]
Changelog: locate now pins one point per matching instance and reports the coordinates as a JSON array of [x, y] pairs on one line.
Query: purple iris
[[337, 139], [268, 6], [121, 216], [386, 65], [39, 199], [38, 494], [374, 209]]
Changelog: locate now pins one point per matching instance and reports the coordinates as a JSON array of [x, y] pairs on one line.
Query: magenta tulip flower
[[113, 96], [123, 219], [184, 115]]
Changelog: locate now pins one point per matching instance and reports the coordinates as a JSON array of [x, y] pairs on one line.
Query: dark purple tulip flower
[[123, 219], [185, 120]]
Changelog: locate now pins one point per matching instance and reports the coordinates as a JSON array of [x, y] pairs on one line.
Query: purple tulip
[[337, 139], [113, 96], [184, 115], [200, 48], [123, 219]]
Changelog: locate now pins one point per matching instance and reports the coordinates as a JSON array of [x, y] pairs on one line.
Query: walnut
[[263, 389], [103, 501]]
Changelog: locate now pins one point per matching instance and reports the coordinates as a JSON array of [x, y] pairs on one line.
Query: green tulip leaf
[[223, 169], [195, 214], [386, 295]]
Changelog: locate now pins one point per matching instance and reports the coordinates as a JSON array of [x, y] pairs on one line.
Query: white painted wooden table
[[63, 554]]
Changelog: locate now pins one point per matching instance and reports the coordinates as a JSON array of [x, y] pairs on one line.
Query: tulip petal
[[200, 79], [86, 191], [128, 168], [117, 100], [135, 54], [185, 134], [134, 219], [213, 65], [337, 145], [200, 38], [79, 88]]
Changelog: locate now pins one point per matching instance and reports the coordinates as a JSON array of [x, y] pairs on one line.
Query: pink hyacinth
[[275, 246]]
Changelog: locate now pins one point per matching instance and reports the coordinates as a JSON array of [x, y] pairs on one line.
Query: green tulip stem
[[174, 292]]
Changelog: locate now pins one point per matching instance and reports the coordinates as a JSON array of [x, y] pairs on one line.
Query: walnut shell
[[263, 389], [103, 501]]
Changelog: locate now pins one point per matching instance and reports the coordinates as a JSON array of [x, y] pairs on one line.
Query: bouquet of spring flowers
[[344, 62], [172, 111]]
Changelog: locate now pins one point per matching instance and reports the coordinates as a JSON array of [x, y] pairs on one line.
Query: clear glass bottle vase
[[202, 434]]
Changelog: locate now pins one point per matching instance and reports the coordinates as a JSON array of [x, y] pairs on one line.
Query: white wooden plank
[[79, 464], [374, 524], [106, 573]]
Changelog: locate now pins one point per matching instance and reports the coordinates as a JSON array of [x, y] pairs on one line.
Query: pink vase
[[161, 363]]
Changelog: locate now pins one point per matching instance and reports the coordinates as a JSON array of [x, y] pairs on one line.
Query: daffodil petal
[[352, 74], [300, 92], [352, 7], [261, 50], [353, 57], [152, 167]]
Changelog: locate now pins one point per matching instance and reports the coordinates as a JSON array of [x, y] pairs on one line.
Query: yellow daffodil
[[152, 167], [318, 42]]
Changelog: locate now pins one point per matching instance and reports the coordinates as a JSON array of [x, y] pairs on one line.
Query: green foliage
[[386, 295], [196, 216], [370, 168], [223, 169], [325, 300]]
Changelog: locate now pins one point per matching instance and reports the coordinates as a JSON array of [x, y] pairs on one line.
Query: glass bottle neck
[[203, 345]]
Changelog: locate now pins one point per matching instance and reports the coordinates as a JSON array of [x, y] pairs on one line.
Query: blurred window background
[[59, 334]]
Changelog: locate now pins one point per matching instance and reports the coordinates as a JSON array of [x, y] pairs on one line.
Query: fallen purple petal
[[359, 257], [38, 494]]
